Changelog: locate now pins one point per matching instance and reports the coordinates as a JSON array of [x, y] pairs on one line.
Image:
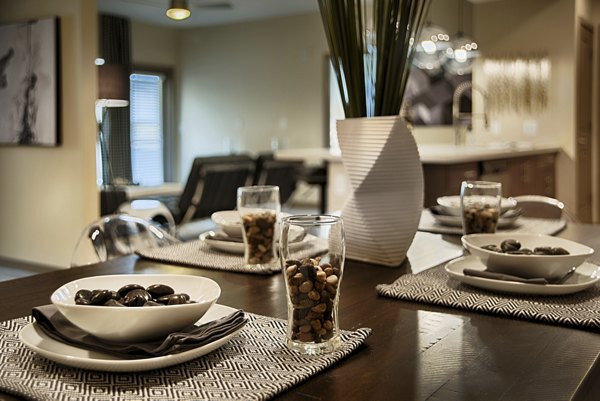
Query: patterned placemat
[[533, 225], [254, 365], [199, 254], [436, 287]]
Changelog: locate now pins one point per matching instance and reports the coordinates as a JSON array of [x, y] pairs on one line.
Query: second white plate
[[238, 247], [36, 340], [586, 276], [456, 221]]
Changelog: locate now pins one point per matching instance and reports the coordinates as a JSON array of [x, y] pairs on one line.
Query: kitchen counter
[[451, 154], [431, 154]]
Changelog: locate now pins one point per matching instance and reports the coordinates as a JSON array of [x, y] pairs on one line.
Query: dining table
[[416, 351]]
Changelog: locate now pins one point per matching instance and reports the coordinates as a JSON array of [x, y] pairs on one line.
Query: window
[[147, 128]]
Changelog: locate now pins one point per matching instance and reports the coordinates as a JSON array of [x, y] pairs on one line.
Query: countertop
[[433, 153], [451, 154]]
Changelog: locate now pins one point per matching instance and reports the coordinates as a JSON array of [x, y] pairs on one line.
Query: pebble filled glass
[[259, 209], [480, 206], [313, 283]]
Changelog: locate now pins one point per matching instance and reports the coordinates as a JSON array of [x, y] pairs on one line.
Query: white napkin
[[428, 250]]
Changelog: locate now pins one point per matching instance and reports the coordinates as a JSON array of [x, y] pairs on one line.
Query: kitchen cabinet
[[527, 175]]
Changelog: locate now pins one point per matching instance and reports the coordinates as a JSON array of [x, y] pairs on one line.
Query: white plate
[[451, 204], [586, 276], [456, 221], [36, 340], [238, 247]]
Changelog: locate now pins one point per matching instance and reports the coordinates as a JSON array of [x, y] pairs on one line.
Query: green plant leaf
[[372, 76]]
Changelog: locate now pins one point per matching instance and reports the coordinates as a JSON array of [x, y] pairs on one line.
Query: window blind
[[146, 107]]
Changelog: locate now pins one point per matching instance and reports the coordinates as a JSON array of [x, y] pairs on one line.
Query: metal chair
[[117, 235], [212, 186], [544, 207], [284, 174]]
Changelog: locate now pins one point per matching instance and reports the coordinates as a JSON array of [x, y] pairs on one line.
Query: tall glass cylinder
[[313, 284], [259, 208], [480, 206]]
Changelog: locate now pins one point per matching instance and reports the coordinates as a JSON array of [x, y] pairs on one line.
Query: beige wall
[[513, 27], [154, 45], [49, 194], [244, 84]]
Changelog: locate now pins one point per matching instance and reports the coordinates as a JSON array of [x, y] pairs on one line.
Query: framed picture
[[30, 83]]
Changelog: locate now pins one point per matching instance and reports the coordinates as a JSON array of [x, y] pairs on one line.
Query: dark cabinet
[[445, 179], [527, 175]]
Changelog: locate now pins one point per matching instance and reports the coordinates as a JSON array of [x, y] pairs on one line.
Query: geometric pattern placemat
[[522, 225], [198, 254], [436, 287], [253, 365]]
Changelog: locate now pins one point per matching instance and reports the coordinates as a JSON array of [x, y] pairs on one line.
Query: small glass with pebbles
[[313, 283], [259, 208], [480, 206]]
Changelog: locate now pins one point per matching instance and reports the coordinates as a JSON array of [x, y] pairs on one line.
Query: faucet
[[462, 121]]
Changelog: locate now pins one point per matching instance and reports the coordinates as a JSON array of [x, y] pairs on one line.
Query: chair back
[[117, 235], [284, 174], [212, 185]]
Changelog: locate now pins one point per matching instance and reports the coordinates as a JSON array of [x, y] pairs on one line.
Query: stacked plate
[[229, 236], [541, 270], [447, 212]]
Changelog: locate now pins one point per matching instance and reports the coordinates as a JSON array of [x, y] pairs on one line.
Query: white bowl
[[128, 324], [450, 205], [529, 266], [229, 221]]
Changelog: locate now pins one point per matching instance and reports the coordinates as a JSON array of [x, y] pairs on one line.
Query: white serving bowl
[[530, 266], [229, 221], [129, 324], [450, 205]]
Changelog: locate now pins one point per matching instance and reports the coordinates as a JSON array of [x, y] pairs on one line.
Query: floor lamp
[[113, 91]]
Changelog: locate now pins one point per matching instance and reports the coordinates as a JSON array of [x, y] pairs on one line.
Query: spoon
[[507, 277], [561, 280]]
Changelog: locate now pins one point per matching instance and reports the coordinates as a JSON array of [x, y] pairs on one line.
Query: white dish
[[586, 276], [229, 222], [506, 220], [527, 265], [238, 247], [451, 204], [136, 323], [36, 340]]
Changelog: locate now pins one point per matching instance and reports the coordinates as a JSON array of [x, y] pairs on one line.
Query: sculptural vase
[[382, 214]]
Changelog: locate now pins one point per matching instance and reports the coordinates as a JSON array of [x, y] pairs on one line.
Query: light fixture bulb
[[178, 10], [460, 55], [431, 48], [428, 46]]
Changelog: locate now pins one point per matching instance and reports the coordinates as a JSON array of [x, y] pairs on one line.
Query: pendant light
[[179, 10], [431, 48], [462, 51]]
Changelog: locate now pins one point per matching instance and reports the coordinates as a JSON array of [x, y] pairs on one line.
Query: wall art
[[30, 83]]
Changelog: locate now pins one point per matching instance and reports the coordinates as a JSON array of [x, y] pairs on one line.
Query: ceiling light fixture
[[431, 49], [462, 51], [179, 10]]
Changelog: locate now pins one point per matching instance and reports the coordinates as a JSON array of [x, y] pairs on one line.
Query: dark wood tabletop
[[416, 351]]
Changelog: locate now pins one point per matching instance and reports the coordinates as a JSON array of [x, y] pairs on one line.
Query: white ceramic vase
[[382, 214]]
